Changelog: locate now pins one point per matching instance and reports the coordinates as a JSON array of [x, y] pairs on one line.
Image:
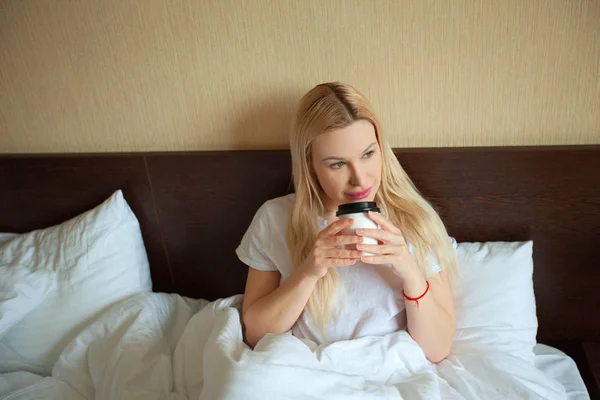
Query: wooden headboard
[[194, 208]]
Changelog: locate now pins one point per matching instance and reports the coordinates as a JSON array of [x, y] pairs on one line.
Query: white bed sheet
[[560, 367], [159, 346]]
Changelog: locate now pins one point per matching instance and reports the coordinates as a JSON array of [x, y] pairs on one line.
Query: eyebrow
[[343, 159]]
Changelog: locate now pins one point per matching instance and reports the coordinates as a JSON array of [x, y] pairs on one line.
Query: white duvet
[[162, 346]]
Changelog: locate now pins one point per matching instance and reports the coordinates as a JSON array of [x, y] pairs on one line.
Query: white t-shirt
[[373, 301]]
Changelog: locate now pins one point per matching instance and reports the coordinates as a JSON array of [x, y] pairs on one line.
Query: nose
[[358, 176]]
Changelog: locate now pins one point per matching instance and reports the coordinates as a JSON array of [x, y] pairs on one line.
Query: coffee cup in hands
[[359, 213]]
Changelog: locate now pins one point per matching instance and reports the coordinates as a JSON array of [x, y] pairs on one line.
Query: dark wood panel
[[501, 172], [206, 201], [41, 191]]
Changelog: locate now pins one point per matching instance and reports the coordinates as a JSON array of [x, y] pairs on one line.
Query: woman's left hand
[[392, 249]]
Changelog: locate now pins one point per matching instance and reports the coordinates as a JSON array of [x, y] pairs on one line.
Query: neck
[[329, 216]]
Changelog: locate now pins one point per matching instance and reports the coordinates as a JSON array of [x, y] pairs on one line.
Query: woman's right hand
[[327, 253]]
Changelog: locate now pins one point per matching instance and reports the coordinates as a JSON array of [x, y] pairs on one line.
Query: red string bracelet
[[416, 299]]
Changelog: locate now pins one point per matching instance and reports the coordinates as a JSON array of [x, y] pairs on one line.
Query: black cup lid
[[360, 207]]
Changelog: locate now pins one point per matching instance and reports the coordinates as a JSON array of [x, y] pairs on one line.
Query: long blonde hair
[[335, 105]]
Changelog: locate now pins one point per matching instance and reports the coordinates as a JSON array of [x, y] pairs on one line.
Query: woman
[[302, 276]]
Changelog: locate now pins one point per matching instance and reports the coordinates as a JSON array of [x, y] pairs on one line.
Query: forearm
[[430, 324], [278, 311]]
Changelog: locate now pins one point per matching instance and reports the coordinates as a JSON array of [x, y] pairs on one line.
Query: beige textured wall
[[126, 75]]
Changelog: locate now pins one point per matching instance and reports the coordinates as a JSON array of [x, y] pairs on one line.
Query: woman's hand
[[328, 251], [391, 250]]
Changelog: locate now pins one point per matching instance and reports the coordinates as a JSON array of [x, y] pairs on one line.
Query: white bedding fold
[[161, 346]]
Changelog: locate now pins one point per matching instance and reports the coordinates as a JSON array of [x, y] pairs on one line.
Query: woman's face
[[347, 163]]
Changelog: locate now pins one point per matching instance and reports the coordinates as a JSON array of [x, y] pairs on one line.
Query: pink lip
[[360, 195]]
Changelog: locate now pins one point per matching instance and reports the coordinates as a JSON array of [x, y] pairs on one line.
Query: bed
[[196, 206]]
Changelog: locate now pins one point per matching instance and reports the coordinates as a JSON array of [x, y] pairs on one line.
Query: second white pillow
[[494, 298]]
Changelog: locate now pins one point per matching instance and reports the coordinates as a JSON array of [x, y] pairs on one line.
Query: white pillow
[[21, 290], [494, 298], [94, 260]]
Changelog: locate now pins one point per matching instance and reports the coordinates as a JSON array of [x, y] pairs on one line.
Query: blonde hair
[[335, 105]]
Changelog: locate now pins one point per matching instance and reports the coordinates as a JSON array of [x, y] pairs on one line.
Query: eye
[[337, 165], [368, 154]]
